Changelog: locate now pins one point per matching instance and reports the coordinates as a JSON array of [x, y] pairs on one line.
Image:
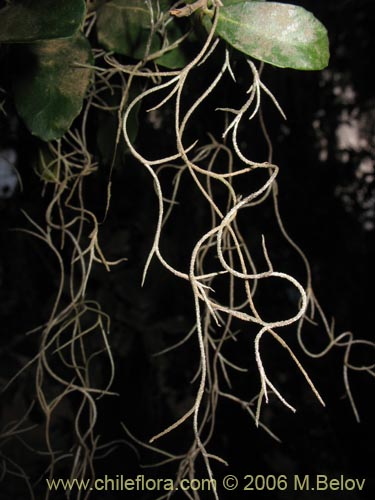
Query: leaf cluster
[[56, 43]]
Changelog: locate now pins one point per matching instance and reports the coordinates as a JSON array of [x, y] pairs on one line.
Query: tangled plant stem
[[225, 232], [76, 332]]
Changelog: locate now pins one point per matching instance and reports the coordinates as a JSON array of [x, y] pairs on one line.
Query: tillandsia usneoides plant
[[126, 60]]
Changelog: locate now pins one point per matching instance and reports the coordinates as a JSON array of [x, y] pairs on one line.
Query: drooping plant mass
[[85, 78]]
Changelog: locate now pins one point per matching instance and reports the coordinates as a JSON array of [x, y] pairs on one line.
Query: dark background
[[327, 204]]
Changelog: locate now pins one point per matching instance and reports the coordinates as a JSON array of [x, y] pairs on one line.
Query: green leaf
[[232, 2], [31, 20], [46, 165], [174, 59], [124, 27], [284, 35], [179, 57], [50, 96]]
